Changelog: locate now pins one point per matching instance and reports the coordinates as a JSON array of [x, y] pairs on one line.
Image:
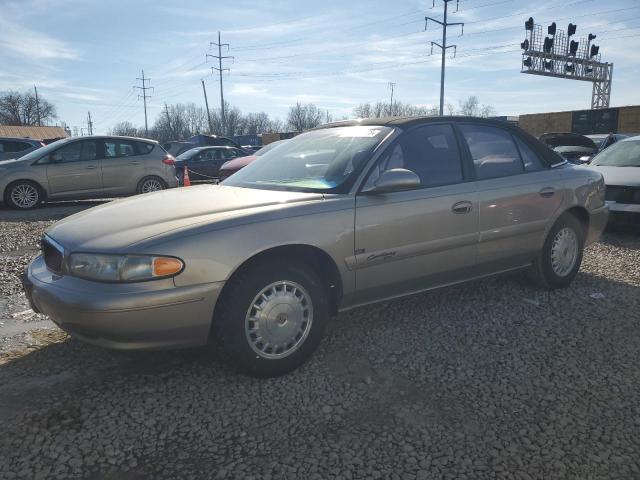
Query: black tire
[[10, 195], [542, 272], [229, 337], [150, 179]]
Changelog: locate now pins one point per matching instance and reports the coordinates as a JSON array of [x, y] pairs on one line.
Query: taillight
[[169, 160]]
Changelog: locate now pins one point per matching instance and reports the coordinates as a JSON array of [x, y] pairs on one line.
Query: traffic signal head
[[594, 50], [548, 44], [569, 68], [525, 45], [552, 29], [528, 25], [527, 62], [548, 64], [571, 29], [573, 47], [592, 36]]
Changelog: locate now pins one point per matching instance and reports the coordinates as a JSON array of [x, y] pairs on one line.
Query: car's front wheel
[[271, 318], [558, 262], [24, 195]]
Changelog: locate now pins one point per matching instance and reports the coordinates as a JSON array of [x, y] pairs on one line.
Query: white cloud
[[31, 45]]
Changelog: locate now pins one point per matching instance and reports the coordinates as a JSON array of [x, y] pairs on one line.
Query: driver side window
[[429, 151], [75, 152]]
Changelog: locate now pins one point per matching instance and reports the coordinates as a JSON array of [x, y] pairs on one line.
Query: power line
[[144, 96]]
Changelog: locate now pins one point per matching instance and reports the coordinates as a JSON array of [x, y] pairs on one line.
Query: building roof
[[35, 133]]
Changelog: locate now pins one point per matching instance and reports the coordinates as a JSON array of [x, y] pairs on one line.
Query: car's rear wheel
[[151, 184], [271, 318], [558, 262], [24, 195]]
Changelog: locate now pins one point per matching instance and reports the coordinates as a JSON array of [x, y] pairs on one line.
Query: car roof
[[636, 138], [406, 122], [107, 137]]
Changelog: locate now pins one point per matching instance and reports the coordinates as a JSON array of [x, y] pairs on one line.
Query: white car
[[620, 166]]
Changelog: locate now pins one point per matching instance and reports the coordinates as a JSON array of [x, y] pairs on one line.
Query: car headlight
[[123, 268]]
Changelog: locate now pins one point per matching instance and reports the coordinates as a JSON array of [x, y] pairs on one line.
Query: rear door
[[73, 169], [122, 166], [517, 196], [408, 241]]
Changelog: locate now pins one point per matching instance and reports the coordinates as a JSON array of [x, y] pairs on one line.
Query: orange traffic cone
[[186, 181]]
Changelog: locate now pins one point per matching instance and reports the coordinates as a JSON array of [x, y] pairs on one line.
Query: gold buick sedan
[[345, 215]]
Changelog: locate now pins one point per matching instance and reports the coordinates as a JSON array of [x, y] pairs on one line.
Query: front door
[[412, 240], [517, 197], [74, 170]]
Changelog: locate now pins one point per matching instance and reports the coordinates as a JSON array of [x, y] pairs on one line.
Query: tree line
[[184, 120]]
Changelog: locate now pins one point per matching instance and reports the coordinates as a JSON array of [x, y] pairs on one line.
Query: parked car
[[13, 147], [204, 162], [86, 167], [573, 147], [176, 147], [232, 166], [604, 140], [345, 215], [620, 166]]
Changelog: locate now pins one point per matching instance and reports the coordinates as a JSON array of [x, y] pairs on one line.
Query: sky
[[85, 55]]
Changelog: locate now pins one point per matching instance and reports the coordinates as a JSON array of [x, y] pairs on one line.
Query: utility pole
[[220, 70], [444, 46], [206, 103], [392, 85], [89, 124], [144, 96], [37, 106], [75, 131], [166, 111]]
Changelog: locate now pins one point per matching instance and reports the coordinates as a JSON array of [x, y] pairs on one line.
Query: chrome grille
[[615, 193]]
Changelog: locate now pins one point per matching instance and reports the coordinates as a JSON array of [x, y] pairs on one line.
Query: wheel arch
[[312, 256], [581, 214]]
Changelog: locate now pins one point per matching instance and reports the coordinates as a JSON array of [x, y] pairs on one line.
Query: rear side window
[[119, 148], [16, 146], [530, 160], [493, 151], [143, 148]]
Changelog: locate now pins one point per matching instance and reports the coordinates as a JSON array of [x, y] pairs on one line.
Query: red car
[[232, 166]]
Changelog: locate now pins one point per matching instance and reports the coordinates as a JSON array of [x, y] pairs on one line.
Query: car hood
[[620, 176], [117, 225], [554, 140], [238, 163]]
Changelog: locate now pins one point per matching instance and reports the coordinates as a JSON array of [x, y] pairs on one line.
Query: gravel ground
[[492, 379]]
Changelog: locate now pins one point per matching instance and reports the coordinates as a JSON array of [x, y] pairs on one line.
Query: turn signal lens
[[165, 266]]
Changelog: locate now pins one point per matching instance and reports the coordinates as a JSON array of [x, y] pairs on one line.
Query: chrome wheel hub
[[24, 196], [151, 185], [279, 319], [564, 252]]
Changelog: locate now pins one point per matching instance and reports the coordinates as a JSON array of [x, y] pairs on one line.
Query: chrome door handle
[[90, 167], [462, 207], [547, 192]]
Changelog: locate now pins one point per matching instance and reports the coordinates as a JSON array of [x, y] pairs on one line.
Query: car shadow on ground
[[50, 211]]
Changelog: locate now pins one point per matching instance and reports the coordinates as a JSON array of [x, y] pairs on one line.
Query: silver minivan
[[86, 167]]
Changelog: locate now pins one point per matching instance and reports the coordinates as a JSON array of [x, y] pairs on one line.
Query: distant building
[[586, 122], [44, 134]]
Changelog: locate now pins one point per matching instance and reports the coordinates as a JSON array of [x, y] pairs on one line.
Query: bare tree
[[471, 108], [304, 116], [398, 109], [22, 109], [126, 129]]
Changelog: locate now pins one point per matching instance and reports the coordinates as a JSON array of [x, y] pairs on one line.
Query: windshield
[[326, 160], [41, 152], [268, 148], [620, 154]]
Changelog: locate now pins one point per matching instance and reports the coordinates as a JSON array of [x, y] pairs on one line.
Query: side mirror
[[395, 180]]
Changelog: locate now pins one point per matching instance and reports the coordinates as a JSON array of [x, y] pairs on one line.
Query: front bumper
[[131, 316]]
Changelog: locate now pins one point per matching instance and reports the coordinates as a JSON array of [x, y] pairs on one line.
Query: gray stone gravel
[[492, 379]]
